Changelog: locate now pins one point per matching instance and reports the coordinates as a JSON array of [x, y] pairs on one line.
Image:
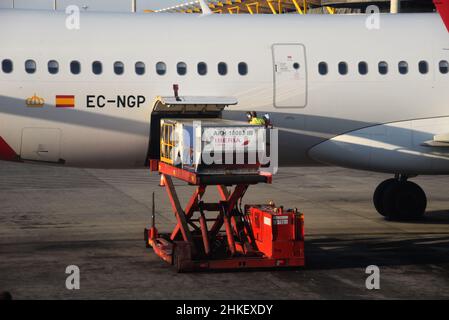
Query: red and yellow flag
[[65, 101]]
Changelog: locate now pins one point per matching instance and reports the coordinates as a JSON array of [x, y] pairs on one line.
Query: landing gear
[[399, 199], [379, 193]]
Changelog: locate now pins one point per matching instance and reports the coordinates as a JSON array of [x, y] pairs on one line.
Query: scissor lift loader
[[220, 234]]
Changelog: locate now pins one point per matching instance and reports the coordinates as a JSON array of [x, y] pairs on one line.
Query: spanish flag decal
[[65, 101]]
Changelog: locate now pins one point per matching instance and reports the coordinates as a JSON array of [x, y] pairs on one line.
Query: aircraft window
[[423, 67], [444, 67], [161, 68], [119, 68], [222, 68], [97, 67], [383, 67], [182, 68], [53, 66], [202, 68], [343, 68], [75, 67], [243, 68], [140, 68], [7, 66], [322, 68], [363, 68], [403, 67], [30, 66], [296, 66]]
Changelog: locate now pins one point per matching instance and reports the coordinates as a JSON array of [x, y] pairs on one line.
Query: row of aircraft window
[[383, 68], [222, 67], [119, 67]]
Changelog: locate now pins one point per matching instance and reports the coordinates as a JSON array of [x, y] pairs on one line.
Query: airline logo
[[35, 102], [6, 152], [65, 101]]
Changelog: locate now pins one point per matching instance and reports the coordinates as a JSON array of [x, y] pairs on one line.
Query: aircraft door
[[290, 76], [41, 144]]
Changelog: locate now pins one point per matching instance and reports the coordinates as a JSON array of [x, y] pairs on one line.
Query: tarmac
[[53, 217]]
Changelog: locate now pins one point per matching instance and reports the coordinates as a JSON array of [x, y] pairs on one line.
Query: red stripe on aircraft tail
[[443, 9], [6, 152]]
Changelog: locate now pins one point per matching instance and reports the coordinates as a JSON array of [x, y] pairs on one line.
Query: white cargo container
[[212, 146]]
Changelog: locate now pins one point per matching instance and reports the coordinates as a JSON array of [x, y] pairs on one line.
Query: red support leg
[[231, 200], [229, 234], [190, 208], [204, 233], [179, 213], [224, 192]]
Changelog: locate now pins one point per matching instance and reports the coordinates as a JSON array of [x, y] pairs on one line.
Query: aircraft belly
[[392, 148]]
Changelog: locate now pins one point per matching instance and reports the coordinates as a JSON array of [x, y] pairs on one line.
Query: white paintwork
[[40, 144], [336, 105], [290, 84], [388, 147]]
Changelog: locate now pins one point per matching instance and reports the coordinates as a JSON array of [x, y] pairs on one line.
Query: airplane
[[340, 93]]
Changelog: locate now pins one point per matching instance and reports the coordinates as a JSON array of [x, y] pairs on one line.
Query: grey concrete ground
[[53, 217]]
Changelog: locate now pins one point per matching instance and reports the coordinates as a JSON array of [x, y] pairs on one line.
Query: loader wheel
[[182, 257]]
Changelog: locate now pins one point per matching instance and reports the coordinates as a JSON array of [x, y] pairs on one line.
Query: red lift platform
[[260, 236]]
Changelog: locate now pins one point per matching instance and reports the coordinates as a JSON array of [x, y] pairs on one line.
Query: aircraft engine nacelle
[[407, 147]]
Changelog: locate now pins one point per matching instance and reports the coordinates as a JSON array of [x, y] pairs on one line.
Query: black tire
[[379, 194], [182, 257], [177, 263], [404, 201]]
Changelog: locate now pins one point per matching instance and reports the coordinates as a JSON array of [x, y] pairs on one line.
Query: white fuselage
[[367, 121]]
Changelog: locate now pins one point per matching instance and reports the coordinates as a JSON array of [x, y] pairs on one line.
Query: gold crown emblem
[[35, 101]]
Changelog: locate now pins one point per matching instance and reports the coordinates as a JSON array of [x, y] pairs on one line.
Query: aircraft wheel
[[379, 193], [404, 200]]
